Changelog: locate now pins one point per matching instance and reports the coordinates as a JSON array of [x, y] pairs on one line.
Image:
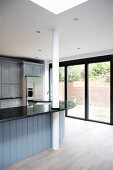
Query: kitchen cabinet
[[10, 72], [5, 72], [32, 69], [5, 91], [14, 91], [28, 69], [10, 85], [10, 91], [38, 70], [14, 73]]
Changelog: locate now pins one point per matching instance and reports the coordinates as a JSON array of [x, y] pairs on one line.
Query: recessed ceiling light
[[78, 48], [39, 50], [58, 6], [75, 19], [38, 31]]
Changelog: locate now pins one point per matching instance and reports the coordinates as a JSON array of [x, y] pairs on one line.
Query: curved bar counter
[[14, 113], [26, 130]]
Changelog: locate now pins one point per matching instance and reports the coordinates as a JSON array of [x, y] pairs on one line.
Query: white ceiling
[[19, 20]]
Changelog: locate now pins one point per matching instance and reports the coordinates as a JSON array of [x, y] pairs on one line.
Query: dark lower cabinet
[[22, 138]]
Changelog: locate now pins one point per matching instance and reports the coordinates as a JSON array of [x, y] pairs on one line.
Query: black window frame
[[87, 61]]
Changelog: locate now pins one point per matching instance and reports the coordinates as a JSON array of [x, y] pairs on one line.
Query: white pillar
[[55, 90], [46, 81]]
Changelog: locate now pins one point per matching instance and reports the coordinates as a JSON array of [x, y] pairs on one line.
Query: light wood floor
[[87, 146]]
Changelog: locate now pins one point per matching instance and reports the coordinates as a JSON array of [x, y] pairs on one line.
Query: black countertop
[[13, 113]]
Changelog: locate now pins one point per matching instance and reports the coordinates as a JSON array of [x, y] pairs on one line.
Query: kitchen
[[25, 118], [34, 44]]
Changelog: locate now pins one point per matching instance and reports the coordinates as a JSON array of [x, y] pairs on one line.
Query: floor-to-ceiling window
[[76, 90], [87, 86], [99, 91]]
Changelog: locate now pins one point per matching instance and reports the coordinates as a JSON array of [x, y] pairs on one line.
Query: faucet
[[50, 95]]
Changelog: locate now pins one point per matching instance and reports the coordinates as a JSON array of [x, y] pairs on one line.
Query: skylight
[[58, 6]]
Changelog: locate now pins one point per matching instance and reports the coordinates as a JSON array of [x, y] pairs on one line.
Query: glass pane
[[99, 91], [76, 90]]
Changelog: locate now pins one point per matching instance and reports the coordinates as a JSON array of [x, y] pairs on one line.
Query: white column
[[46, 81], [55, 90]]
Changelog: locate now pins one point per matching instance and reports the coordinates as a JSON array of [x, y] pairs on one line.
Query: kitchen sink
[[44, 102]]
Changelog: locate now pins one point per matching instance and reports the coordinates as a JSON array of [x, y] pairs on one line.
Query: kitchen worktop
[[13, 113], [45, 107]]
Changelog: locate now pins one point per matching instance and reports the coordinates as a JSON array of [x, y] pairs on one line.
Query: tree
[[61, 74], [100, 70], [77, 73]]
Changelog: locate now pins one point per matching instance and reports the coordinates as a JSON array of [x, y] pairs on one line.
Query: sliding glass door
[[86, 86], [99, 91], [76, 90]]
